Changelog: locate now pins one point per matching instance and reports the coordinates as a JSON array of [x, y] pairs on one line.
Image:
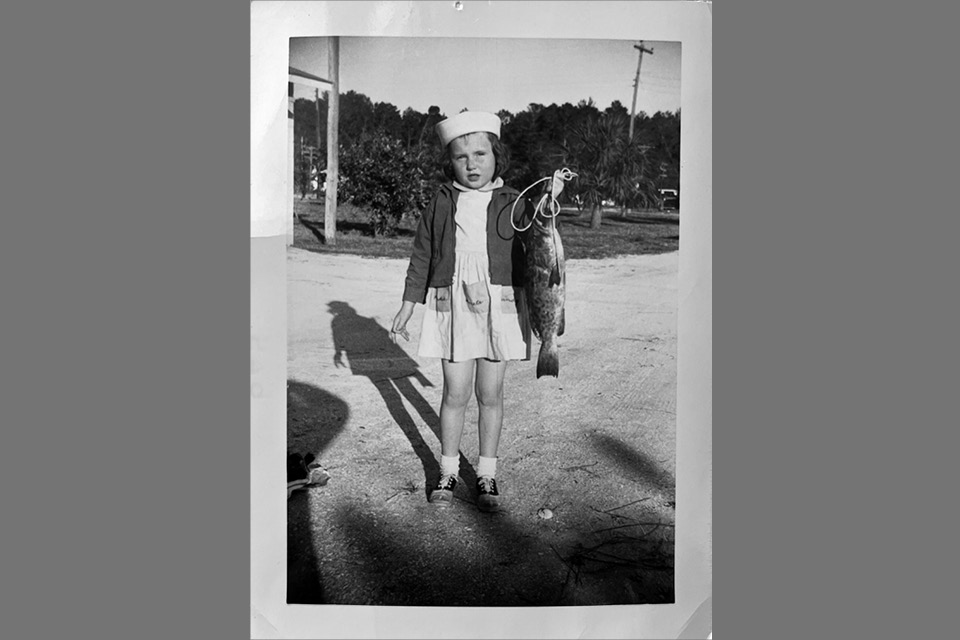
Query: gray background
[[126, 343]]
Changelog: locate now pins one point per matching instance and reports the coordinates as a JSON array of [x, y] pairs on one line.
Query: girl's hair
[[500, 153]]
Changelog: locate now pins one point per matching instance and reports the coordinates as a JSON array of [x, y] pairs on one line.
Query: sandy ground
[[596, 447]]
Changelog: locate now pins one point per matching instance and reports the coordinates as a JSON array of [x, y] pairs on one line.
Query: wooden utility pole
[[333, 160], [636, 84], [316, 104]]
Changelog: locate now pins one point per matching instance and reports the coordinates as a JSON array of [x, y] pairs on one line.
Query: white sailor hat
[[467, 122]]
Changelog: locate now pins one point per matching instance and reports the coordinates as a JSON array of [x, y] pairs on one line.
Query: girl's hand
[[400, 321]]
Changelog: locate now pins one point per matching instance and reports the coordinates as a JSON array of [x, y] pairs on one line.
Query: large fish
[[545, 284]]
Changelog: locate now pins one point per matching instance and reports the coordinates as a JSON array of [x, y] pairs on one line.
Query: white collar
[[490, 186]]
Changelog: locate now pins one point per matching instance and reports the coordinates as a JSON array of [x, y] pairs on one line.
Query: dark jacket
[[434, 247]]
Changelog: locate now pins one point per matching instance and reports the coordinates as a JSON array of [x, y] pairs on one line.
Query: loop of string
[[550, 197]]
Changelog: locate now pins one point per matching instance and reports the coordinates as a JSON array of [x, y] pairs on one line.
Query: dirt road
[[596, 447]]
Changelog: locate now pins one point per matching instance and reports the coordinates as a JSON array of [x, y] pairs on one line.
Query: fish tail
[[548, 362]]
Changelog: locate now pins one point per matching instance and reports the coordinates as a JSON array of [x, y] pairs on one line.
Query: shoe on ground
[[297, 474], [488, 497], [442, 496]]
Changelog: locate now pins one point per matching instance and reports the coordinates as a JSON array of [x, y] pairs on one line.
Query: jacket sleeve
[[415, 286]]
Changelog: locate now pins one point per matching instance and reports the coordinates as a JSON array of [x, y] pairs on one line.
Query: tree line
[[388, 158]]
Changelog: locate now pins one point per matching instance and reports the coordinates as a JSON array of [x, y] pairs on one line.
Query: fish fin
[[548, 362], [554, 275], [533, 326], [563, 322]]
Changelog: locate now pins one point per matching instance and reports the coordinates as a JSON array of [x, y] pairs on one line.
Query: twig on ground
[[617, 540], [562, 559], [578, 467], [409, 488], [616, 558], [582, 467], [635, 524], [627, 505], [620, 562], [613, 515], [566, 579], [620, 538]]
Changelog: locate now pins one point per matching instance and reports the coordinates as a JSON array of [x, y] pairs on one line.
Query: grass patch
[[636, 233], [354, 232]]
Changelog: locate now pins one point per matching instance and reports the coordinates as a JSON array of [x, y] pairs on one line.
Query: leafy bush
[[378, 172]]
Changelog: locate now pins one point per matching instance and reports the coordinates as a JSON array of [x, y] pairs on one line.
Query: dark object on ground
[[303, 471]]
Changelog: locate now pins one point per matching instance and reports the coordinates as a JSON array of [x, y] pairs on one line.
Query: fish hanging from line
[[545, 276]]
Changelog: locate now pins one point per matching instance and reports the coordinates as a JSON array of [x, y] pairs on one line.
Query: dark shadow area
[[636, 549], [372, 353], [357, 553], [345, 226], [634, 464], [304, 584], [314, 418], [392, 565], [469, 559]]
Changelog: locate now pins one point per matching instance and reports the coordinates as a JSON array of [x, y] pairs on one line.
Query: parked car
[[669, 200]]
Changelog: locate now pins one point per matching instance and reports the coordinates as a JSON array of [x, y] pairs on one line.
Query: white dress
[[474, 318]]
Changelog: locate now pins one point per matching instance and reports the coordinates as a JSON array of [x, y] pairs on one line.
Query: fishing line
[[559, 177]]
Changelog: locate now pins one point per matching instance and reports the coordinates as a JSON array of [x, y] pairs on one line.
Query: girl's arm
[[415, 286]]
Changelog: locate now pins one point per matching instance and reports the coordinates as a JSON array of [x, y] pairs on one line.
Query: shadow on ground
[[360, 545], [634, 465], [372, 353], [453, 557], [314, 418]]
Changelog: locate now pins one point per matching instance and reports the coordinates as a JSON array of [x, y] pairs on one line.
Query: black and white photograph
[[481, 359], [481, 306]]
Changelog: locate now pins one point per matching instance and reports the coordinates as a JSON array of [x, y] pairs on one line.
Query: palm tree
[[608, 165], [632, 177], [590, 152]]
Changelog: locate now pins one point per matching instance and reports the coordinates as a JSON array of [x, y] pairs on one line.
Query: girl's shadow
[[371, 352]]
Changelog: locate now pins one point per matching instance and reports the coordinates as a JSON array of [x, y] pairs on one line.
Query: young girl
[[466, 268]]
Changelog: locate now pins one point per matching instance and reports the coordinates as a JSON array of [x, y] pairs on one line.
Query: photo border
[[272, 25]]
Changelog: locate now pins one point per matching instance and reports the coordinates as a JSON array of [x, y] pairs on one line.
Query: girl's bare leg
[[457, 379], [489, 389]]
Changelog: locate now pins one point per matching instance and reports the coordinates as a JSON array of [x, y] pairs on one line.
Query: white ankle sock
[[487, 467], [449, 465]]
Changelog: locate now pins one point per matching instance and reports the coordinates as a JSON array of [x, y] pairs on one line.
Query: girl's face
[[473, 160]]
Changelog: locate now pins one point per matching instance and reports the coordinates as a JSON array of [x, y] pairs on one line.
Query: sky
[[489, 74]]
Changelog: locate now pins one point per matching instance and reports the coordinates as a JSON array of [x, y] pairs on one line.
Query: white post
[[291, 165], [333, 157]]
